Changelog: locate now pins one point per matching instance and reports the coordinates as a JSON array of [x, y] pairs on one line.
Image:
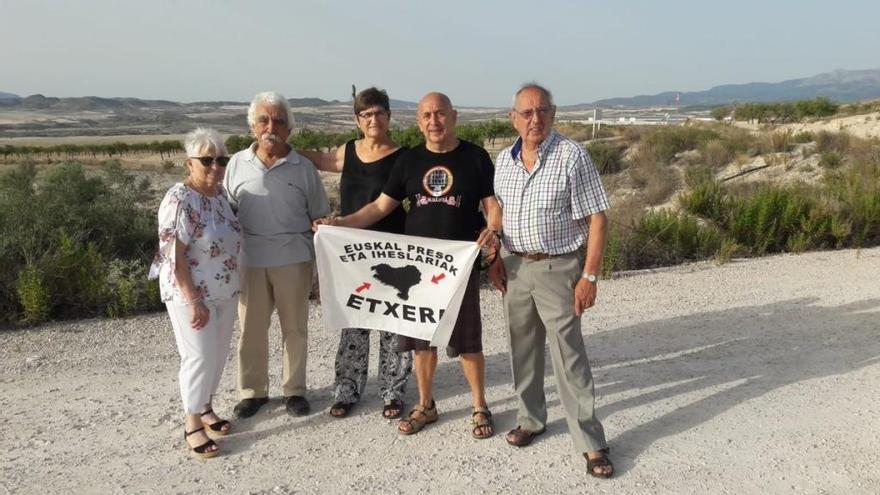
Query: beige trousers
[[285, 288]]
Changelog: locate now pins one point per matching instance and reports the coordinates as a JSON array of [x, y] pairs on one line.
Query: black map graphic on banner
[[401, 278]]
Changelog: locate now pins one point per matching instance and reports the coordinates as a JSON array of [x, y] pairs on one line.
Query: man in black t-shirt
[[446, 180]]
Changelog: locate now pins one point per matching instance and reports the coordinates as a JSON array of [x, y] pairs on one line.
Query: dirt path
[[754, 377]]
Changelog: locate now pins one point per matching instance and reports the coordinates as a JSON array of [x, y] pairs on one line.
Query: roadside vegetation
[[684, 193], [77, 243], [794, 111]]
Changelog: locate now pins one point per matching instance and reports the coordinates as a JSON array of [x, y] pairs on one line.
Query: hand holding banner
[[403, 284]]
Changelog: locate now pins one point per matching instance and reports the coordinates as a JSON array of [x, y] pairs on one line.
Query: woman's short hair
[[203, 139], [273, 98], [371, 97]]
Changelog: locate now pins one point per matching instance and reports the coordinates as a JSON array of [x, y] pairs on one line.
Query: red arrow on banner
[[437, 278], [363, 287]]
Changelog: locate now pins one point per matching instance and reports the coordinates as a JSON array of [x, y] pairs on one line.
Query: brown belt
[[534, 256]]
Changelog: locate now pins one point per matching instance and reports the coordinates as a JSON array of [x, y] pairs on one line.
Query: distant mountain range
[[11, 101], [840, 86]]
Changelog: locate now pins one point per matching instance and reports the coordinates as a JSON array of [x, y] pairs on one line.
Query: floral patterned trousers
[[351, 366]]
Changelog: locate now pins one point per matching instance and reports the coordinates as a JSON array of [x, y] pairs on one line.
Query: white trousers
[[202, 352]]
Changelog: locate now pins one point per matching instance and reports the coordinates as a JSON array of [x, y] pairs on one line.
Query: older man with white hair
[[277, 193], [553, 207]]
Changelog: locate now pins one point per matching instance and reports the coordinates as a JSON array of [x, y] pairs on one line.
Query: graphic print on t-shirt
[[437, 182]]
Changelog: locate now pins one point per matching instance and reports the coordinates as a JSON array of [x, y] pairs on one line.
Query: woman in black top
[[365, 165]]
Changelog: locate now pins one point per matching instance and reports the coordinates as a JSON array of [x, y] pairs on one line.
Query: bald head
[[437, 122], [436, 98]]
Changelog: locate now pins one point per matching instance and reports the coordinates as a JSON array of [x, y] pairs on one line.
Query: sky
[[478, 52]]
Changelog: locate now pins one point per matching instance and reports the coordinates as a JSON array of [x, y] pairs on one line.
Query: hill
[[839, 85], [8, 96]]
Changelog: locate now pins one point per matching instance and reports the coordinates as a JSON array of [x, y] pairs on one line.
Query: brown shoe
[[521, 437]]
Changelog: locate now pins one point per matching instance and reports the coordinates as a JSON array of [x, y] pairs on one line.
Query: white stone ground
[[758, 376]]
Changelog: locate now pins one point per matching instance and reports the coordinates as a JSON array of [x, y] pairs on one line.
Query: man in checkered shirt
[[552, 203]]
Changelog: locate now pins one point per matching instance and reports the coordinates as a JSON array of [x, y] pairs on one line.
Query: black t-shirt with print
[[444, 190]]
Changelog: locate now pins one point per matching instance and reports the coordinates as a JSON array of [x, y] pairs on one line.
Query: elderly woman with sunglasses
[[197, 267]]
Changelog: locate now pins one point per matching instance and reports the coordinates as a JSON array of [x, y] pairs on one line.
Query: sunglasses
[[206, 161]]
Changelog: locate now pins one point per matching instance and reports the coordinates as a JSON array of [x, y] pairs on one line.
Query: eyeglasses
[[206, 161], [371, 114], [265, 119], [541, 112]]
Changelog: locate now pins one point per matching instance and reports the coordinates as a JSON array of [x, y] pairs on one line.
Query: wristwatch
[[589, 277]]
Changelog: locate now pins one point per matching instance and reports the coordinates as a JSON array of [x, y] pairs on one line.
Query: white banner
[[403, 284]]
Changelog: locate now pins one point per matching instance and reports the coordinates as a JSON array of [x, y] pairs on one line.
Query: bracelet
[[193, 301]]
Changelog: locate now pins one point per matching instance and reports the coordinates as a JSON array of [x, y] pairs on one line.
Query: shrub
[[856, 194], [707, 199], [606, 156], [720, 113], [660, 187], [236, 143], [779, 141], [829, 159], [766, 220], [129, 289], [668, 141], [832, 141], [716, 153], [33, 295], [658, 239], [802, 137], [58, 234]]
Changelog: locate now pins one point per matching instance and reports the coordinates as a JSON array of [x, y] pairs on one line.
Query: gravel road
[[751, 377]]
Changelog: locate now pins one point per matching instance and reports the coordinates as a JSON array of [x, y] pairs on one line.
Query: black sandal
[[203, 451], [603, 461], [218, 427], [392, 405], [341, 409]]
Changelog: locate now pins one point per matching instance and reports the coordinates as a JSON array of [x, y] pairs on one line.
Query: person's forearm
[[596, 243], [366, 216], [493, 214]]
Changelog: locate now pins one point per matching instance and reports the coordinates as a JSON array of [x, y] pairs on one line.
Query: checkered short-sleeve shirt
[[540, 209]]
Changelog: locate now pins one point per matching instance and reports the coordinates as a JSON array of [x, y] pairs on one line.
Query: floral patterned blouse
[[212, 236]]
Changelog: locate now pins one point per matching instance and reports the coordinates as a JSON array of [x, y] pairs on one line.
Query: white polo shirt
[[275, 207]]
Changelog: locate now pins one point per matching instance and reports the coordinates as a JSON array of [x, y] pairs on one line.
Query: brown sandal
[[418, 417], [522, 437], [600, 462], [204, 451], [219, 428], [480, 425]]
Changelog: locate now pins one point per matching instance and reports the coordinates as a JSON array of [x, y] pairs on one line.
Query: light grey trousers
[[539, 307], [352, 358]]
